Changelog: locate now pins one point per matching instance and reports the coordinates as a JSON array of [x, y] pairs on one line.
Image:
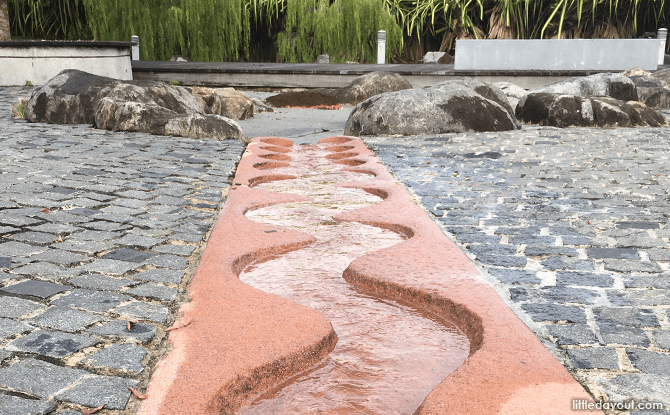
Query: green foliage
[[344, 29], [19, 109], [47, 19], [204, 30], [175, 83], [28, 83]]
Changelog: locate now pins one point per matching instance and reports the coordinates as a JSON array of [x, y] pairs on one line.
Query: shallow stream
[[389, 356]]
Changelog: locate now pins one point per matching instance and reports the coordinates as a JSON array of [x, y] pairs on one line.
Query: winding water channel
[[388, 356]]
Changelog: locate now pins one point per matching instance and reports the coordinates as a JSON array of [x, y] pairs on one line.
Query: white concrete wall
[[557, 54], [38, 64]]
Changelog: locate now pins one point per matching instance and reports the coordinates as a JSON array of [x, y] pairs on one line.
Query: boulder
[[437, 57], [226, 102], [304, 99], [614, 85], [654, 97], [447, 107], [635, 72], [323, 59], [369, 85], [562, 110], [652, 91], [663, 75], [76, 97], [513, 92]]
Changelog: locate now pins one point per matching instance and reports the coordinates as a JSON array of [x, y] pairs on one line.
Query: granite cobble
[[570, 226], [99, 231]]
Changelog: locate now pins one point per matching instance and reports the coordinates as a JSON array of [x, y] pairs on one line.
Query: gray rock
[[573, 334], [39, 289], [515, 276], [98, 301], [628, 336], [51, 343], [9, 327], [613, 85], [451, 106], [560, 110], [144, 311], [632, 317], [109, 266], [623, 265], [649, 362], [13, 307], [155, 291], [662, 338], [118, 328], [65, 319], [101, 282], [323, 59], [513, 92], [583, 278], [654, 97], [100, 390], [76, 97], [502, 260], [169, 261], [615, 253], [13, 405], [594, 358], [119, 356], [124, 254], [38, 378], [638, 387], [640, 297], [369, 85], [555, 312], [160, 275], [559, 262]]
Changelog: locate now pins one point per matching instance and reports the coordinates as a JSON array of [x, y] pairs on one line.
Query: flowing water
[[389, 356]]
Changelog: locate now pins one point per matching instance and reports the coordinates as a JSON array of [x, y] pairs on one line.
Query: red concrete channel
[[234, 343]]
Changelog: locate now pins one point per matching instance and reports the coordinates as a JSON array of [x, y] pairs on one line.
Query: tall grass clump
[[344, 29], [48, 19], [204, 30]]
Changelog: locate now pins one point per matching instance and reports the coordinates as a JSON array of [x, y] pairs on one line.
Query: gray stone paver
[[573, 235], [60, 292]]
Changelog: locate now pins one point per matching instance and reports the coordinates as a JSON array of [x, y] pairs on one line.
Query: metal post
[[662, 35], [135, 48], [381, 47]]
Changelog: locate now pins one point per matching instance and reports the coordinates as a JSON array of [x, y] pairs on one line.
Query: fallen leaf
[[88, 411], [136, 393], [45, 210], [130, 323], [589, 222], [184, 323], [59, 239]]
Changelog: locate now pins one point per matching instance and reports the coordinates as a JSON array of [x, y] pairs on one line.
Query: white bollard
[[135, 48], [381, 47], [662, 35]]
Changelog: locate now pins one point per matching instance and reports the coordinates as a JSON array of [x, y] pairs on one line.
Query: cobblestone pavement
[[97, 229], [570, 226]]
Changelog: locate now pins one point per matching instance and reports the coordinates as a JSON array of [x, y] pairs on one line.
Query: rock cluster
[[602, 100], [561, 110], [76, 97], [369, 85], [451, 106]]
